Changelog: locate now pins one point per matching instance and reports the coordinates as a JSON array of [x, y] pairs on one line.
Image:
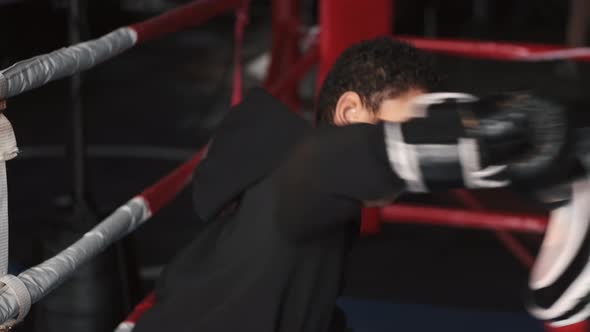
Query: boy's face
[[350, 109]]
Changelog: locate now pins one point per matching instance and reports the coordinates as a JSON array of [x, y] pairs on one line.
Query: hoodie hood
[[249, 144]]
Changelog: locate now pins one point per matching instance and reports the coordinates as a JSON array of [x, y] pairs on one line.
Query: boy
[[280, 201]]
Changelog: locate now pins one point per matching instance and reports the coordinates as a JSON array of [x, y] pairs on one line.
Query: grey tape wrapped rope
[[23, 298]]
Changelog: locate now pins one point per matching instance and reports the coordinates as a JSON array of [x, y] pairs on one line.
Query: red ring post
[[343, 23], [285, 50]]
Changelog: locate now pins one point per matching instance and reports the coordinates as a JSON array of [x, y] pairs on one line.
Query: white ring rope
[[23, 298], [43, 278], [35, 72]]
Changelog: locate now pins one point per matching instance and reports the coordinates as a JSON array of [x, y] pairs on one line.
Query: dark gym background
[[149, 108]]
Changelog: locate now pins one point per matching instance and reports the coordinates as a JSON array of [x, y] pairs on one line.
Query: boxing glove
[[458, 140], [559, 284]]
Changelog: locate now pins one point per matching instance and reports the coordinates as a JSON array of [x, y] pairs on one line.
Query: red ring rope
[[163, 191], [426, 215], [191, 14], [494, 50], [141, 307]]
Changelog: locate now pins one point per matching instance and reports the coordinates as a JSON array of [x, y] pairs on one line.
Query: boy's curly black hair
[[376, 69]]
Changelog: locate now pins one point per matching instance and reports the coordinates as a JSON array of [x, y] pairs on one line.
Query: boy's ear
[[350, 109]]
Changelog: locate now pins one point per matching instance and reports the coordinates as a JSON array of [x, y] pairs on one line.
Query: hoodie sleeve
[[329, 174]]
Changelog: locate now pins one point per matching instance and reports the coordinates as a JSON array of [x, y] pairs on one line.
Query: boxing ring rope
[[40, 70], [488, 50], [43, 278], [461, 218], [129, 323], [18, 293], [501, 51], [35, 72], [519, 251]]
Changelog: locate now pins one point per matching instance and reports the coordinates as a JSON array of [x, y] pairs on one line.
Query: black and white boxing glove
[[457, 140], [559, 284]]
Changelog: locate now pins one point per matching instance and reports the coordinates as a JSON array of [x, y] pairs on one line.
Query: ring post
[[343, 23]]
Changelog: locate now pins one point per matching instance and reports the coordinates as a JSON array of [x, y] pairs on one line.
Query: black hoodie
[[243, 271]]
